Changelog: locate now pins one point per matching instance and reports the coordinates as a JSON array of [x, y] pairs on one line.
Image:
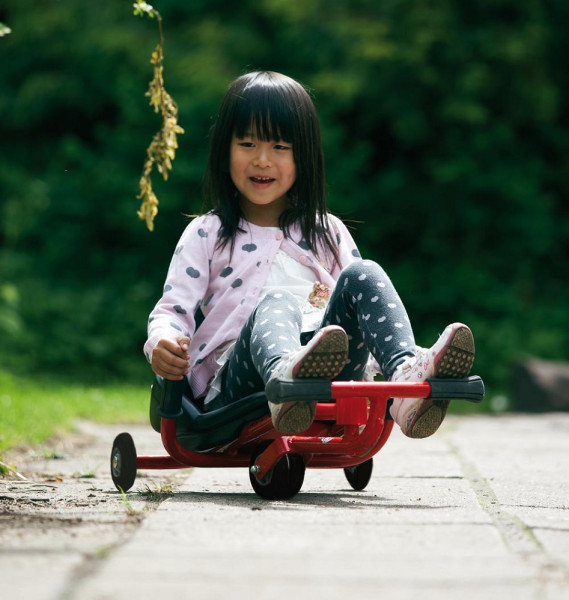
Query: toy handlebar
[[470, 389], [170, 395]]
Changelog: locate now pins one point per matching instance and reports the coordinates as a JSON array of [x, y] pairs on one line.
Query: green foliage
[[446, 136]]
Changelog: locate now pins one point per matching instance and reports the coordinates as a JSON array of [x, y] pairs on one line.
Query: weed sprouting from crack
[[158, 493], [130, 510]]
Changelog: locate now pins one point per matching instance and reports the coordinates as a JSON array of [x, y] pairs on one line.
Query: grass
[[32, 410]]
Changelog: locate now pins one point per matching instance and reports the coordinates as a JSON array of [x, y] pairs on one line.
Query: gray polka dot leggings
[[364, 303]]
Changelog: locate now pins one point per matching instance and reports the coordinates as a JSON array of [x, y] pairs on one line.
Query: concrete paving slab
[[431, 522], [478, 511]]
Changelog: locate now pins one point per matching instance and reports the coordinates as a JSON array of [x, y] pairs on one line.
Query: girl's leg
[[269, 345], [365, 303], [272, 330], [367, 306]]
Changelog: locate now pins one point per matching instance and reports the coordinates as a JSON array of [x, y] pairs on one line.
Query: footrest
[[470, 389], [298, 390]]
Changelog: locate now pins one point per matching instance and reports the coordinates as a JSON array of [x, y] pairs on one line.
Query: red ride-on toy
[[352, 424]]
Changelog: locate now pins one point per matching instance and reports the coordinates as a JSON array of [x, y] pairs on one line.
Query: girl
[[269, 284]]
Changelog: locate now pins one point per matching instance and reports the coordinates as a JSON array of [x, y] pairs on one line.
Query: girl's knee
[[362, 270], [283, 299]]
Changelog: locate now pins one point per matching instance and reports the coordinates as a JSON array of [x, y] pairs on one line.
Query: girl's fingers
[[171, 347], [171, 376], [169, 360], [184, 343], [170, 372]]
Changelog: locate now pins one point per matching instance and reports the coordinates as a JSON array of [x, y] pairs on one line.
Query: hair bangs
[[264, 113]]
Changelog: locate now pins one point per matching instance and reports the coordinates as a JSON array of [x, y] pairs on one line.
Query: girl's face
[[263, 173]]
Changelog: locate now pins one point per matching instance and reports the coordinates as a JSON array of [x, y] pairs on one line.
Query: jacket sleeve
[[186, 285]]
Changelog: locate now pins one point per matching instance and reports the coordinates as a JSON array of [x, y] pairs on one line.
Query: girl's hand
[[171, 359]]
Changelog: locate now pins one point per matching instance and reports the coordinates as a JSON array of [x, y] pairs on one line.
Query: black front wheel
[[123, 462], [283, 481], [358, 476]]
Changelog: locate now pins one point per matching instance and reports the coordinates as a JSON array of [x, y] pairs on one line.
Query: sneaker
[[323, 357], [451, 356]]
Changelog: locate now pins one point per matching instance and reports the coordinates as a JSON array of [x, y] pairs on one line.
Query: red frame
[[345, 433]]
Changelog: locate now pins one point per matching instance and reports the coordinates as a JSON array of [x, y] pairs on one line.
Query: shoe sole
[[293, 417], [457, 358], [430, 420], [455, 361], [325, 360]]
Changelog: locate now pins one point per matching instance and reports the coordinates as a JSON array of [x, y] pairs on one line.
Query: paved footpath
[[481, 510]]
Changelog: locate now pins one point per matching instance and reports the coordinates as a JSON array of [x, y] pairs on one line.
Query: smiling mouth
[[261, 179]]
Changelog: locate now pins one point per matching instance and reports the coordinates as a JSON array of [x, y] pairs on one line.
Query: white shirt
[[290, 275]]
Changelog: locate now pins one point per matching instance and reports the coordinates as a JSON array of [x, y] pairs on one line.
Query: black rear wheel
[[283, 481], [358, 476], [123, 462]]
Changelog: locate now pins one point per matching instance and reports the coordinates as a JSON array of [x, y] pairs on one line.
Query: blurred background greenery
[[446, 132]]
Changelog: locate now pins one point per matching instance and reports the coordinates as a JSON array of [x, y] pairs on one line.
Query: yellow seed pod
[[162, 149]]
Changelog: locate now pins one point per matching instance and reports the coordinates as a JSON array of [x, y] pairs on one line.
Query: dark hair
[[280, 109]]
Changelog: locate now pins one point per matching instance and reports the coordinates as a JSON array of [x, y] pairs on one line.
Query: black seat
[[197, 429]]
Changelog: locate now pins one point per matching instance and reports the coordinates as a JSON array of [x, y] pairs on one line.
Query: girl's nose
[[262, 159]]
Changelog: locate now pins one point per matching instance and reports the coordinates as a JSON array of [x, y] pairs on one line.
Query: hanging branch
[[162, 149]]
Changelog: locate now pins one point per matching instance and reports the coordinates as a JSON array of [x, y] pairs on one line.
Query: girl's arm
[[173, 317]]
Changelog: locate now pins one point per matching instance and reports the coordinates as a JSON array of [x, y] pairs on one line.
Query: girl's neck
[[262, 215]]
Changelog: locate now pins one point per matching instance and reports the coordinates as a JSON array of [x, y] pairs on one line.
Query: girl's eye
[[277, 146]]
